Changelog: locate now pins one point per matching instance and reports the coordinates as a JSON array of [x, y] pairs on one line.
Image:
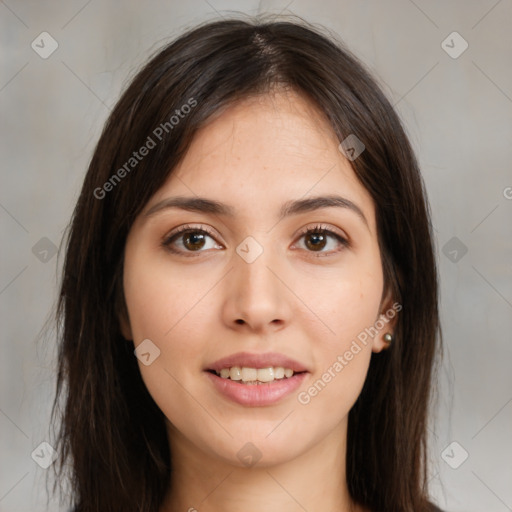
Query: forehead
[[264, 150]]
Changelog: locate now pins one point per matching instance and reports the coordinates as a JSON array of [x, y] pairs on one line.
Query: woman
[[249, 305]]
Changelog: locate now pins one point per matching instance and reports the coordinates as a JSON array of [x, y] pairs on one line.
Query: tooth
[[249, 374], [279, 372], [255, 375], [235, 373], [265, 374]]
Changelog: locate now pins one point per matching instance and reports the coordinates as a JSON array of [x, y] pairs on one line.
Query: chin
[[259, 451]]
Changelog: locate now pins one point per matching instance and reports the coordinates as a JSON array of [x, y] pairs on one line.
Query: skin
[[199, 306]]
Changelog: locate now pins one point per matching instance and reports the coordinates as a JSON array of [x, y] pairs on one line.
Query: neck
[[314, 480]]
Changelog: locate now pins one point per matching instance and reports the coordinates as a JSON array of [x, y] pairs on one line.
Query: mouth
[[255, 376], [256, 380]]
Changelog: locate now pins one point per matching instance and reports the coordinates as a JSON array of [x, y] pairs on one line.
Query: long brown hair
[[111, 433]]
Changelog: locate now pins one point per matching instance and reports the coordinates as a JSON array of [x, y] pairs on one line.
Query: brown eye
[[193, 240], [189, 240], [316, 239]]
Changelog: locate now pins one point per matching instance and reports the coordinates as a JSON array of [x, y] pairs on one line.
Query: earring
[[388, 337]]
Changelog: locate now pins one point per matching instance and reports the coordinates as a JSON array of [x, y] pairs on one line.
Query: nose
[[257, 299]]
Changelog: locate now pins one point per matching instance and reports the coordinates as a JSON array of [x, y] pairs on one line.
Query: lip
[[248, 360], [257, 395]]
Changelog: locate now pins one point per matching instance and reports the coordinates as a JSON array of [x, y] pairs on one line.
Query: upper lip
[[248, 360]]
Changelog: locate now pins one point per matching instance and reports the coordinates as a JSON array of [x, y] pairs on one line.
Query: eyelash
[[318, 229]]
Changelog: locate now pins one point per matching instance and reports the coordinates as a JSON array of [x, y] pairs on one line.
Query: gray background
[[458, 113]]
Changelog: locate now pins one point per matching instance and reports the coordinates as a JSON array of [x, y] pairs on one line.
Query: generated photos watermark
[[304, 397], [156, 136]]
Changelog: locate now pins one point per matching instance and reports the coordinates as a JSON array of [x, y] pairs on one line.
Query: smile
[[255, 375], [253, 392]]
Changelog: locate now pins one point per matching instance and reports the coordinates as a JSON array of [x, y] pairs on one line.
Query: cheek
[[159, 297], [169, 307], [165, 307], [350, 305], [351, 308], [343, 358]]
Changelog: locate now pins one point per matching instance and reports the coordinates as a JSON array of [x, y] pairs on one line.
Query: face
[[247, 278]]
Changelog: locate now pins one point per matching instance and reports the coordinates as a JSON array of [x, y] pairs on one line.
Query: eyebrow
[[293, 207]]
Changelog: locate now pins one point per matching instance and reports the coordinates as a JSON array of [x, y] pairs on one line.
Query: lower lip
[[258, 394]]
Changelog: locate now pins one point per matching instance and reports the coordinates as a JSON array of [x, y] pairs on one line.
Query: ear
[[386, 322]]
